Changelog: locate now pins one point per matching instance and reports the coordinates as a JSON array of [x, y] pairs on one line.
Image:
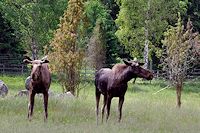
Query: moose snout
[[150, 76]]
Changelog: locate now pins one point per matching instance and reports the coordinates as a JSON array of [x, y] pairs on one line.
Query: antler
[[44, 58], [27, 61]]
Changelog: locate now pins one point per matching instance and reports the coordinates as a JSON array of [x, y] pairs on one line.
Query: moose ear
[[127, 62], [28, 58], [45, 61], [140, 63], [27, 61]]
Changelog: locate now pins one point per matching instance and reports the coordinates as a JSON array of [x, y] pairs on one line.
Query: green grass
[[143, 111]]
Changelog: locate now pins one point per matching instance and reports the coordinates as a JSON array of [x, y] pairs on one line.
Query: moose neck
[[127, 75]]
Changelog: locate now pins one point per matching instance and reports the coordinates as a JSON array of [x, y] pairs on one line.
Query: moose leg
[[31, 105], [134, 80], [121, 101], [98, 94], [45, 105], [109, 98], [103, 108]]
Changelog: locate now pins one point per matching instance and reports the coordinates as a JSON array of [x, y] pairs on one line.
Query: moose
[[40, 83], [113, 83]]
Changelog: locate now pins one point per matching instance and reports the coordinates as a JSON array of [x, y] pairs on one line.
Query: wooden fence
[[86, 74], [192, 74], [12, 64], [13, 69], [195, 73]]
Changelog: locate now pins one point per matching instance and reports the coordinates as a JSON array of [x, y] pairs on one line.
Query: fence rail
[[195, 73], [13, 69], [86, 74]]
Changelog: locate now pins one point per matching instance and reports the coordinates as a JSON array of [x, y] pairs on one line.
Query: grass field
[[143, 111]]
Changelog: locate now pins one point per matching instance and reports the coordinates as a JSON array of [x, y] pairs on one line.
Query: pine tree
[[9, 42], [65, 55]]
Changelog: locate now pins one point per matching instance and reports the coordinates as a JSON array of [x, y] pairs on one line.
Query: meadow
[[144, 111]]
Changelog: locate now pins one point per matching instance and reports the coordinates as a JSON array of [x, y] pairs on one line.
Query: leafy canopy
[[136, 16], [33, 19]]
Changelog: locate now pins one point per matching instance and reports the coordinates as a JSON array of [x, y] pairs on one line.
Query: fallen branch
[[161, 90]]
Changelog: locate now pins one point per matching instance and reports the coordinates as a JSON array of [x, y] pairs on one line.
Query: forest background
[[99, 32]]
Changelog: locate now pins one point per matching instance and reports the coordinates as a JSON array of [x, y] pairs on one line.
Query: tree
[[95, 11], [142, 23], [9, 43], [112, 6], [192, 12], [178, 43], [33, 21], [65, 55], [97, 48]]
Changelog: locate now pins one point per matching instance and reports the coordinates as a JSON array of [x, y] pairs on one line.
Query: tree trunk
[[71, 81], [34, 48], [146, 50], [179, 87], [146, 44]]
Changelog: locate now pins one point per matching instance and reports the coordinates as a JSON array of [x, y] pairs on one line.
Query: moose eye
[[137, 67]]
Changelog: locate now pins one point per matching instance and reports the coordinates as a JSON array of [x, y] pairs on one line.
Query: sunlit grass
[[143, 111]]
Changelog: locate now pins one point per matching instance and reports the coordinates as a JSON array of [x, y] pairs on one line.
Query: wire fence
[[13, 65], [13, 69]]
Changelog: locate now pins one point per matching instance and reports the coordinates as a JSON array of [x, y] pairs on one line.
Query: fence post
[[22, 71], [157, 75], [3, 68]]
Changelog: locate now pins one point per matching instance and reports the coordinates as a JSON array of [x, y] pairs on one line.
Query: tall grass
[[143, 110]]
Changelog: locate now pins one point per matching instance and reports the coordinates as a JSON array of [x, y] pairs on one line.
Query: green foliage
[[9, 43], [96, 11], [33, 20], [136, 16], [64, 54], [183, 5], [193, 12]]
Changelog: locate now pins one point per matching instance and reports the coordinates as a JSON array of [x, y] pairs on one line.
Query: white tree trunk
[[34, 48], [146, 50], [146, 44]]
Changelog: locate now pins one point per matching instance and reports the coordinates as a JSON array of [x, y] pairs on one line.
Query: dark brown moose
[[40, 83], [113, 83]]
